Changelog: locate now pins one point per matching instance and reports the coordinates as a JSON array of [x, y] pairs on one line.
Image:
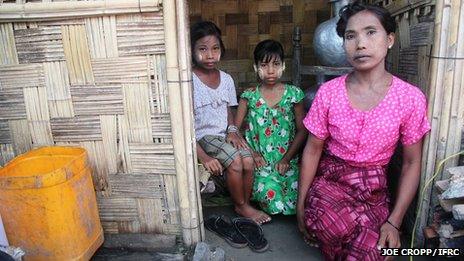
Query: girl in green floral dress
[[273, 112]]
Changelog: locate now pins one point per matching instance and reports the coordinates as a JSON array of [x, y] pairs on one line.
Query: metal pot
[[328, 46]]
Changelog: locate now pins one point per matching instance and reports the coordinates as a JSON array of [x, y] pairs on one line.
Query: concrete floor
[[285, 241], [282, 234]]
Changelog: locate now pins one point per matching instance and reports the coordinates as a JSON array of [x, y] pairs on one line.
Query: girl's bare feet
[[250, 212]]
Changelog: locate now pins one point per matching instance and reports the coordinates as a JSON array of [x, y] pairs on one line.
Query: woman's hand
[[389, 236], [259, 160], [236, 140], [212, 165], [282, 166]]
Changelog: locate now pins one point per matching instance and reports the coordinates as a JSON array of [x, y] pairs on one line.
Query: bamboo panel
[[237, 66], [149, 214], [172, 229], [156, 17], [8, 53], [129, 227], [98, 164], [77, 54], [129, 18], [137, 109], [121, 70], [404, 30], [268, 6], [161, 126], [230, 40], [421, 33], [12, 76], [69, 9], [35, 45], [97, 99], [111, 227], [159, 84], [152, 158], [12, 104], [101, 36], [6, 153], [171, 200], [20, 135], [400, 6], [77, 21], [38, 116], [423, 63], [148, 186], [124, 162], [116, 209], [25, 25], [408, 62], [57, 85], [149, 35], [5, 136], [109, 131], [83, 128]]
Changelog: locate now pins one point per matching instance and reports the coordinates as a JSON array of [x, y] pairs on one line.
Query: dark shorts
[[218, 148]]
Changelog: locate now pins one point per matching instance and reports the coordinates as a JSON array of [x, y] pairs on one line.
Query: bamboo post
[[179, 105], [445, 93], [187, 105], [456, 46]]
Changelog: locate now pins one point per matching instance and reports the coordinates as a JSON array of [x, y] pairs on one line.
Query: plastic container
[[48, 204]]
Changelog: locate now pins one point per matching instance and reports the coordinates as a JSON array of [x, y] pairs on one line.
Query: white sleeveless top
[[210, 105]]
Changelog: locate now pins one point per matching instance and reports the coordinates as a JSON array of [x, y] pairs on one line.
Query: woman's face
[[366, 42], [207, 52]]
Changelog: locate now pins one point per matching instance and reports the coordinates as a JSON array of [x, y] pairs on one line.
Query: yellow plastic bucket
[[48, 204]]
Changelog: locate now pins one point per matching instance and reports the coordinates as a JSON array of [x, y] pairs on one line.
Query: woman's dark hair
[[268, 49], [385, 18], [202, 29]]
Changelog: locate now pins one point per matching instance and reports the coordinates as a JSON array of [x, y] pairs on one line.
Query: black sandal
[[252, 232], [222, 226]]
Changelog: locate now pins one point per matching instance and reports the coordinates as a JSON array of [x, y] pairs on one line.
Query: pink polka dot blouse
[[367, 138]]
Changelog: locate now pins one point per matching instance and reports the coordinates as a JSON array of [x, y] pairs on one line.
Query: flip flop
[[222, 226], [252, 232]]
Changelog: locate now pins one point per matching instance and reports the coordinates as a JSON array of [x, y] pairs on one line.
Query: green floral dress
[[270, 131]]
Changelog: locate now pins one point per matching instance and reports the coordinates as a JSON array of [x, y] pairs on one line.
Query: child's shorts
[[218, 148]]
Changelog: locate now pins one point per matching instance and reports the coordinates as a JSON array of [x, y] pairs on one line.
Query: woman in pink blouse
[[355, 123]]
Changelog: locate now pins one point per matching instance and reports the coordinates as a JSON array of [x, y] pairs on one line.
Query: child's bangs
[[269, 57]]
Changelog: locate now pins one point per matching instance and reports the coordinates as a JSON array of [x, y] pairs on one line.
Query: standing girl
[[355, 122], [219, 147], [274, 130]]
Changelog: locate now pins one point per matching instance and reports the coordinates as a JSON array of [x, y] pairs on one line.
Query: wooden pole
[[296, 56], [47, 11], [196, 215], [180, 107]]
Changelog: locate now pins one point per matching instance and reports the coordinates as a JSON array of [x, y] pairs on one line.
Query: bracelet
[[231, 129], [388, 221]]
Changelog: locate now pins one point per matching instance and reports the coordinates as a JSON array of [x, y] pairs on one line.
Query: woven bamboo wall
[[244, 23], [429, 54], [100, 83], [410, 56]]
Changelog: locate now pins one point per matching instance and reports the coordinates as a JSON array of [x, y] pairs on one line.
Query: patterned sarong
[[345, 207]]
